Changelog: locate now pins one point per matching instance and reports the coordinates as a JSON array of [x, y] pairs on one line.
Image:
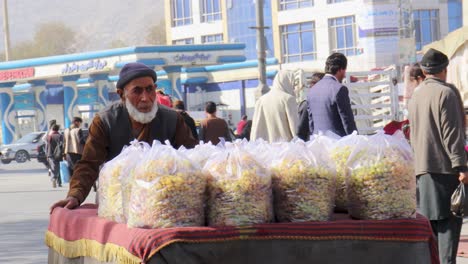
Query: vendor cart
[[79, 236]]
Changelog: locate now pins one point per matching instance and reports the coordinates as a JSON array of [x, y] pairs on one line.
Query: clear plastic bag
[[457, 201], [382, 183], [167, 190], [239, 189], [201, 153], [113, 177], [340, 153], [259, 148], [303, 183]]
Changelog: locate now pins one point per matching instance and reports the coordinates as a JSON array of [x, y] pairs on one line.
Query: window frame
[[187, 41], [418, 18], [330, 2], [203, 39], [286, 55], [186, 17], [351, 50], [205, 15], [285, 4]]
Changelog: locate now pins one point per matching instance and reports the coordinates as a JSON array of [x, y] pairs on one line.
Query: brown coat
[[212, 128], [437, 127], [97, 150]]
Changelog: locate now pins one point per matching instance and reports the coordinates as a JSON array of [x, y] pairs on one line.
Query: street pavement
[[26, 194]]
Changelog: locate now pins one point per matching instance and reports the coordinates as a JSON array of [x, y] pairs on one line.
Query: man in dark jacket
[[180, 108], [329, 103], [437, 136], [136, 116], [54, 145]]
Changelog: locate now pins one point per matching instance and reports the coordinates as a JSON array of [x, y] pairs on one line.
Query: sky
[[96, 22]]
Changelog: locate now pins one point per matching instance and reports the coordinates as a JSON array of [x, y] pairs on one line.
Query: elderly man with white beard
[[136, 116]]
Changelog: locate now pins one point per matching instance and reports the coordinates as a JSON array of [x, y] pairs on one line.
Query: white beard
[[140, 117]]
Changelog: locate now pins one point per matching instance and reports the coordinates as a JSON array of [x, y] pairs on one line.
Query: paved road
[[25, 196]]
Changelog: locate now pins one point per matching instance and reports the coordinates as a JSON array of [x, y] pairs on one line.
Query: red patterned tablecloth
[[80, 232]]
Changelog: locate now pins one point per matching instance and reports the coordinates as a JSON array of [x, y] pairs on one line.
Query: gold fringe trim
[[110, 252], [90, 248]]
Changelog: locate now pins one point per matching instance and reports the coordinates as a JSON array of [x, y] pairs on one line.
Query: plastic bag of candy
[[303, 183], [382, 184], [340, 153], [239, 189], [113, 177], [167, 190], [201, 153]]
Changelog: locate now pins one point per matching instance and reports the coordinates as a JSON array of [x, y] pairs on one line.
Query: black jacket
[[190, 123], [303, 131]]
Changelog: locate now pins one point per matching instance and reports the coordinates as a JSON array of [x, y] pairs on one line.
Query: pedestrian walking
[[212, 128], [329, 103], [163, 98], [246, 130], [55, 154], [438, 138], [276, 116], [241, 124], [180, 108], [74, 141], [45, 139]]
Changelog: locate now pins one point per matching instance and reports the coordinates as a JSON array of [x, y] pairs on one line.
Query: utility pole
[[6, 29], [261, 54]]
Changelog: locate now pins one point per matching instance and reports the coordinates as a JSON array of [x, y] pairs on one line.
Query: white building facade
[[301, 34]]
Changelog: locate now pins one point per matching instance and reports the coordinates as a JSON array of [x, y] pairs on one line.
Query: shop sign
[[16, 74], [24, 101], [83, 67], [191, 57], [87, 96]]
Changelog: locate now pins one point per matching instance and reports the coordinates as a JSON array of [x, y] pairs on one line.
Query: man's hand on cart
[[68, 203]]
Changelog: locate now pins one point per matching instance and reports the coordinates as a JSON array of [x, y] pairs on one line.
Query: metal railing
[[374, 99]]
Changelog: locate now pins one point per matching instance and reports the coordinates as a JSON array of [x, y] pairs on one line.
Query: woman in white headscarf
[[276, 117]]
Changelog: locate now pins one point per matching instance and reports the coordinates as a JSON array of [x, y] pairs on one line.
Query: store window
[[181, 13], [426, 26], [298, 42], [217, 38], [210, 10], [342, 32], [295, 4], [185, 41]]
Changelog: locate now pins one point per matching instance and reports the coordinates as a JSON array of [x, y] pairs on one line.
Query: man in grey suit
[[329, 103]]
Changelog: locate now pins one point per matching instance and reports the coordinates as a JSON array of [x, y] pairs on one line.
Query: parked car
[[22, 149]]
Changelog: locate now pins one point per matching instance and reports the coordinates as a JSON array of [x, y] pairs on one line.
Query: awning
[[451, 43]]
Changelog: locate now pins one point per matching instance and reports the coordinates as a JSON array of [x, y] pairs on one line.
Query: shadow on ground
[[23, 171], [23, 242]]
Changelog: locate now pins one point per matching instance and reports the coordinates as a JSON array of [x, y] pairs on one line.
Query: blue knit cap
[[132, 71]]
